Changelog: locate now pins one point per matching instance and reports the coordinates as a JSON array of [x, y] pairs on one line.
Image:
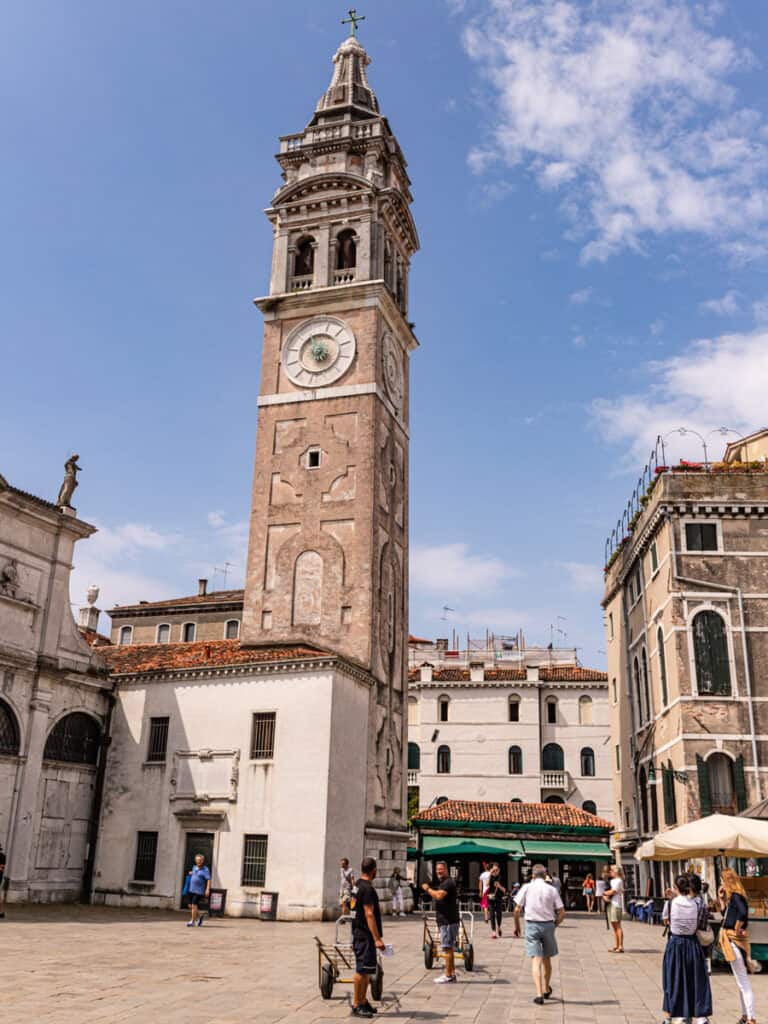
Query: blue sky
[[591, 191]]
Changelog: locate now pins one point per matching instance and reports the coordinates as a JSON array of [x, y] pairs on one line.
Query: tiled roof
[[418, 640], [133, 659], [94, 639], [556, 815], [5, 486], [214, 597], [554, 674]]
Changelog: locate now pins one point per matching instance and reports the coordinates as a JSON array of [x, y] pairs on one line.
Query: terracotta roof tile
[[502, 674], [572, 674], [557, 815], [94, 639], [214, 597], [554, 674], [132, 659], [418, 640], [5, 486]]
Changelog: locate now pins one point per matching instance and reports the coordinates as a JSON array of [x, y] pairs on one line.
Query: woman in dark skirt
[[687, 992]]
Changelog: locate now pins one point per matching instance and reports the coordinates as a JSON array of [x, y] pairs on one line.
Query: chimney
[[532, 673], [202, 588], [441, 644], [88, 616], [425, 670], [476, 671]]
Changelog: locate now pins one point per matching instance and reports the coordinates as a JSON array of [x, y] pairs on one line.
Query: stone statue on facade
[[69, 484], [9, 578]]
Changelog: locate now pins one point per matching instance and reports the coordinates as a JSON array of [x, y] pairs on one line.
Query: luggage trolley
[[336, 962], [464, 948]]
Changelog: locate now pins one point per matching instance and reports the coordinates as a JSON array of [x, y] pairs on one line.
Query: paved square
[[100, 966]]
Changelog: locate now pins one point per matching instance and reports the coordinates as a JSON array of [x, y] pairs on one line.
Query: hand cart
[[464, 950], [336, 962]]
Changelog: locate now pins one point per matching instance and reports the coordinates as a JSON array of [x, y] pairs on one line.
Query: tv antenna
[[224, 572], [446, 609]]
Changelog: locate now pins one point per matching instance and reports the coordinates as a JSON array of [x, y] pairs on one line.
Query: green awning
[[572, 851], [462, 846]]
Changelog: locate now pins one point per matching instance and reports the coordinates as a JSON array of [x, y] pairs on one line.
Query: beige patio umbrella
[[715, 835]]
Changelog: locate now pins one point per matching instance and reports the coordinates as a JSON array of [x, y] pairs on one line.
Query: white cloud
[[760, 310], [115, 560], [450, 570], [581, 297], [628, 109], [725, 306], [584, 576], [712, 383], [216, 519]]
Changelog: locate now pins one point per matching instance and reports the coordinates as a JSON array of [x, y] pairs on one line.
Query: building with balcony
[[686, 615], [502, 722]]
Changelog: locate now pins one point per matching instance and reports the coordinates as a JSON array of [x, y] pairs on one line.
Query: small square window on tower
[[313, 458]]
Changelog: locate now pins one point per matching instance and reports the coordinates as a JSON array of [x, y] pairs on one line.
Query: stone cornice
[[518, 684], [221, 672], [337, 298]]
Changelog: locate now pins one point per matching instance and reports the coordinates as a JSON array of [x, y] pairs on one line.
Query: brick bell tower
[[328, 548]]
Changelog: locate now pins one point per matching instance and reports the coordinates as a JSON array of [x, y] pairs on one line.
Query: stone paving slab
[[94, 965]]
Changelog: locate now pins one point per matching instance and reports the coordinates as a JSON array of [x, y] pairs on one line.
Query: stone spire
[[349, 92]]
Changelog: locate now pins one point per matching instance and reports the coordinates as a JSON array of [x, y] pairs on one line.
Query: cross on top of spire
[[352, 20]]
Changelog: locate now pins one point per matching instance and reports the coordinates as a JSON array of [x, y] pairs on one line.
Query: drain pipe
[[733, 591]]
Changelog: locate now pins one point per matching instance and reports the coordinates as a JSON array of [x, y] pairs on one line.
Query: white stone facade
[[478, 730], [54, 702]]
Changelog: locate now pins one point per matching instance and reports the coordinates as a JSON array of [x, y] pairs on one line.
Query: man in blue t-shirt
[[199, 889]]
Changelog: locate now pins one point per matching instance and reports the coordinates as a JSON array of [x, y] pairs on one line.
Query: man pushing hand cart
[[449, 922]]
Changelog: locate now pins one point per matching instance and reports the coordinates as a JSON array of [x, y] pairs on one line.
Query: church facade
[[279, 750]]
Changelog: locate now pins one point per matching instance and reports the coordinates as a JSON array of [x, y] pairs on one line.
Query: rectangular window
[[551, 712], [146, 856], [158, 739], [701, 537], [263, 736], [610, 626], [163, 633], [654, 557], [126, 634], [618, 757], [615, 695], [254, 860], [233, 629], [631, 590], [514, 711], [188, 632]]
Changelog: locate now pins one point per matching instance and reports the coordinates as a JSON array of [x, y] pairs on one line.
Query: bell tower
[[328, 548]]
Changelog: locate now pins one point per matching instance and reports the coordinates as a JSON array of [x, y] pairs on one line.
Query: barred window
[[146, 856], [74, 738], [443, 760], [263, 736], [515, 761], [254, 860], [188, 631], [232, 629], [9, 730], [158, 739]]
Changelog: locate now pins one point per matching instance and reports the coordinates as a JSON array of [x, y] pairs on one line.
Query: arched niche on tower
[[310, 594]]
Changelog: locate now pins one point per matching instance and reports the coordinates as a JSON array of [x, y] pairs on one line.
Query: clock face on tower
[[318, 352]]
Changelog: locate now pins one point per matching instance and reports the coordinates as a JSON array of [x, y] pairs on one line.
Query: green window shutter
[[710, 644], [662, 666], [665, 794], [740, 783], [705, 795]]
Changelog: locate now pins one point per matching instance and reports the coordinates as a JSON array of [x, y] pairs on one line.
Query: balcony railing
[[299, 284], [344, 276], [554, 780], [413, 777]]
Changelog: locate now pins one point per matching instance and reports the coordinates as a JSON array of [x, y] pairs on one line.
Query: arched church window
[[9, 730], [346, 250], [74, 738], [304, 264]]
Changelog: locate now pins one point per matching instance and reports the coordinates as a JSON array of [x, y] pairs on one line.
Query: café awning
[[568, 851], [462, 846]]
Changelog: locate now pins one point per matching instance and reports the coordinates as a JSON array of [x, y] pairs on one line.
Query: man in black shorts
[[366, 937], [447, 915]]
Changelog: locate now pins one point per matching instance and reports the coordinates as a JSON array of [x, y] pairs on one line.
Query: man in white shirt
[[614, 898], [544, 911]]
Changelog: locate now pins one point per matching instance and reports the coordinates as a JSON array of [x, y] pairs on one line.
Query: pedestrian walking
[[396, 888], [447, 915], [588, 891], [555, 880], [613, 897], [496, 894], [600, 886], [685, 981], [366, 937], [734, 938], [483, 883], [346, 885], [544, 911], [199, 889], [703, 930]]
